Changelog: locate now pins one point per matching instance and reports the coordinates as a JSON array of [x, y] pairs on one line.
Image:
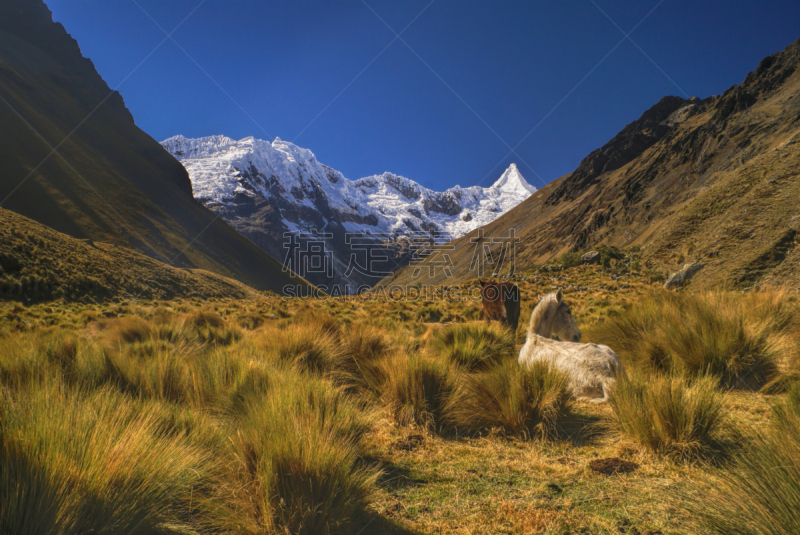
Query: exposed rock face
[[592, 257], [32, 21], [676, 280], [267, 190], [629, 143]]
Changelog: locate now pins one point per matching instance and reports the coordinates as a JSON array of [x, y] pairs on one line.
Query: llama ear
[[559, 296]]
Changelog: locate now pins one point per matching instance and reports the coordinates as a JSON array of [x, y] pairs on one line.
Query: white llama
[[592, 368]]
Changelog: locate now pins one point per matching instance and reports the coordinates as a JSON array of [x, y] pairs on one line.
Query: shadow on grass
[[380, 525], [393, 476], [581, 428]]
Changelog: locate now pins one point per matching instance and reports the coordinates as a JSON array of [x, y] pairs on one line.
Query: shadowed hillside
[[40, 264], [714, 181], [107, 180]]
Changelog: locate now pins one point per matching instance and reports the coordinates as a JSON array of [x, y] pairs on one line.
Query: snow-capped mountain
[[266, 189]]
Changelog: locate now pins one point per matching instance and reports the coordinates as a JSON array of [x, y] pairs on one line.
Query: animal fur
[[501, 303], [592, 369]]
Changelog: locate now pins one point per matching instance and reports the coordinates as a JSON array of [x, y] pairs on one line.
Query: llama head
[[552, 318]]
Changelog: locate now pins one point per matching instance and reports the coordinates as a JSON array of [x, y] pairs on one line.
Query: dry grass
[[669, 415], [297, 455], [417, 390], [523, 402], [74, 462], [341, 414], [474, 346], [742, 340], [760, 492]]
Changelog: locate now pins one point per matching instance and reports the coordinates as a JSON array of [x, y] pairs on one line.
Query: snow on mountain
[[222, 169]]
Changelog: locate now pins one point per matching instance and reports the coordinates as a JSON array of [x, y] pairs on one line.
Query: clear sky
[[443, 103]]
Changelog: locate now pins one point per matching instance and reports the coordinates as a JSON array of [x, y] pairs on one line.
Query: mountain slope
[[714, 181], [109, 180], [40, 264], [268, 189]]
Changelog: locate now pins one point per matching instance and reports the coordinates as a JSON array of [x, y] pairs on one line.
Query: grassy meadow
[[373, 415]]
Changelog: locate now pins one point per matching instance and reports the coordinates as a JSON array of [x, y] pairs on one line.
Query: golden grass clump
[[740, 340], [760, 493], [91, 463], [366, 348], [669, 415], [298, 452], [523, 402], [417, 390], [310, 347], [272, 416], [474, 346]]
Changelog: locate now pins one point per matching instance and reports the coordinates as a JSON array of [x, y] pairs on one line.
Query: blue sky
[[471, 79]]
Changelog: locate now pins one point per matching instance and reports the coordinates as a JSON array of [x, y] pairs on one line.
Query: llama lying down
[[592, 368]]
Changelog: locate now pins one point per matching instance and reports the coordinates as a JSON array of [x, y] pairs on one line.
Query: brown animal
[[500, 303]]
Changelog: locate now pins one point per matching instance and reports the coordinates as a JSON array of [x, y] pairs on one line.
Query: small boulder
[[466, 216], [592, 257], [676, 280]]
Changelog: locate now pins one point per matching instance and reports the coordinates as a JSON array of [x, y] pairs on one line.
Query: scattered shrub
[[569, 259], [525, 402], [609, 253], [669, 415]]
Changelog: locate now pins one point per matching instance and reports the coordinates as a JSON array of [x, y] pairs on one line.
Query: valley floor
[[496, 485], [198, 366]]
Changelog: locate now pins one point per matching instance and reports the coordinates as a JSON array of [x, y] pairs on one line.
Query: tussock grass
[[78, 463], [523, 402], [298, 453], [669, 415], [204, 317], [760, 492], [308, 347], [417, 390], [366, 348], [323, 321], [741, 340], [430, 313], [279, 414], [474, 346], [154, 372]]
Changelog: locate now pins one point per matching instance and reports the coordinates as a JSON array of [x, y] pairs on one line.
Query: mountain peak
[[512, 181]]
